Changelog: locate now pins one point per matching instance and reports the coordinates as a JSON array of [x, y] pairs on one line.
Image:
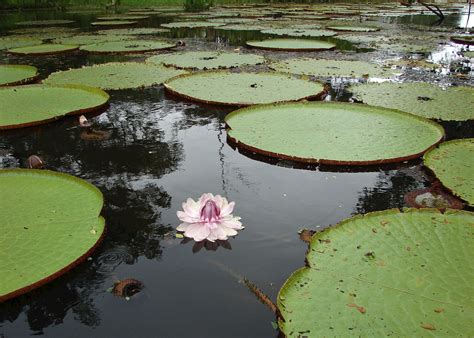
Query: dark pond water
[[160, 152]]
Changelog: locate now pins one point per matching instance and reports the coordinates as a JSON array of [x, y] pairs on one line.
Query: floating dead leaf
[[306, 234], [439, 310], [35, 162], [84, 122], [127, 288], [95, 135]]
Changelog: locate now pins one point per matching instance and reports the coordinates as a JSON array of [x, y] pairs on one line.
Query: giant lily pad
[[36, 104], [292, 45], [45, 23], [128, 46], [123, 17], [388, 273], [192, 24], [424, 99], [49, 222], [321, 67], [315, 33], [115, 75], [12, 75], [453, 163], [324, 133], [353, 28], [89, 39], [114, 23], [44, 49], [241, 89], [463, 39], [206, 60], [134, 31], [8, 42]]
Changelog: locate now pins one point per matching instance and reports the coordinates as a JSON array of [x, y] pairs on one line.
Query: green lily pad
[[453, 163], [469, 54], [45, 23], [353, 28], [317, 132], [423, 99], [123, 17], [48, 31], [463, 39], [320, 67], [8, 42], [315, 33], [89, 39], [44, 49], [294, 45], [114, 23], [206, 60], [241, 27], [49, 222], [134, 31], [128, 46], [387, 273], [30, 105], [192, 24], [115, 75], [12, 75], [241, 89]]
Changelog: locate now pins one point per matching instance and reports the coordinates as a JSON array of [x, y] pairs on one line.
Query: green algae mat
[[127, 46], [299, 32], [30, 105], [192, 24], [241, 89], [115, 75], [387, 273], [353, 28], [206, 60], [8, 42], [45, 23], [302, 45], [321, 67], [423, 99], [315, 132], [12, 75], [44, 49], [49, 222], [453, 164]]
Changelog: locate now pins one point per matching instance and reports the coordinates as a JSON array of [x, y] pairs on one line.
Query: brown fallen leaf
[[427, 326], [439, 310], [35, 162], [306, 234]]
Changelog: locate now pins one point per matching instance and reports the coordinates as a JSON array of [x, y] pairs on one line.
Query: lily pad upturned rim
[[32, 23], [66, 49], [81, 258], [270, 154], [24, 80], [171, 91], [426, 158], [81, 111], [114, 23], [294, 278], [465, 40], [341, 28], [87, 49], [251, 44]]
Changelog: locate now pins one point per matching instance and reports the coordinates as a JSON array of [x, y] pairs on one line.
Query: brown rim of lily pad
[[174, 93], [24, 81], [468, 40], [435, 190], [282, 49], [58, 52]]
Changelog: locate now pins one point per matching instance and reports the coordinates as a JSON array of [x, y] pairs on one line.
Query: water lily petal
[[192, 208], [217, 233], [232, 222], [183, 226], [197, 231], [227, 209], [204, 198], [229, 231], [184, 217]]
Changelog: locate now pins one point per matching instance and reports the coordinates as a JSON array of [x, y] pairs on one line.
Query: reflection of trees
[[390, 189], [126, 167]]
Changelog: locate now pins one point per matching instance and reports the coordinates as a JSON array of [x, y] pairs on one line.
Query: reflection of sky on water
[[466, 20]]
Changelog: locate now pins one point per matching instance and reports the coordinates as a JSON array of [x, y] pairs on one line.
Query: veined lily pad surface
[[49, 222], [115, 75], [30, 105], [45, 23], [114, 23], [241, 89], [299, 32], [134, 31], [206, 60], [192, 24], [353, 28], [128, 46], [324, 133], [123, 17], [453, 163], [388, 273], [292, 45], [321, 67], [423, 99], [44, 49], [89, 39], [11, 75], [7, 42]]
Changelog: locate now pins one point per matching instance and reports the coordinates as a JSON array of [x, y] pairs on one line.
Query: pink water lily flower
[[209, 218]]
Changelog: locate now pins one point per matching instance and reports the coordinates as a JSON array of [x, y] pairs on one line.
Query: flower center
[[210, 212]]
